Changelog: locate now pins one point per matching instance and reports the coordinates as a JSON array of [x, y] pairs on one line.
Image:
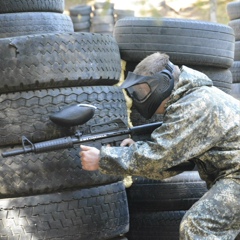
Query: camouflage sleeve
[[120, 161], [191, 127]]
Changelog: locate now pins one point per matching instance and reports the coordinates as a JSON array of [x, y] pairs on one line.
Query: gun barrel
[[41, 147], [55, 144], [16, 152], [145, 129]]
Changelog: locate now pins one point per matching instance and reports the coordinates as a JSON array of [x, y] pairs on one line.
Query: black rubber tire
[[235, 69], [88, 214], [87, 30], [27, 113], [82, 25], [27, 23], [80, 19], [172, 194], [13, 6], [101, 28], [233, 10], [235, 25], [102, 20], [80, 10], [236, 90], [237, 51], [197, 42], [58, 60], [61, 170], [155, 225]]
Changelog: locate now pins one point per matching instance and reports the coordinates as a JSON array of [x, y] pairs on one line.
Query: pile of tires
[[98, 18], [43, 70], [103, 18], [233, 10], [81, 17], [27, 17], [157, 207]]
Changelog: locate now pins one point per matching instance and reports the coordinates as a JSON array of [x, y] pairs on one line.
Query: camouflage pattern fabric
[[216, 215], [202, 123]]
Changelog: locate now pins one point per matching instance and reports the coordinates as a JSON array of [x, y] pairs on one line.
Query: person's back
[[213, 118]]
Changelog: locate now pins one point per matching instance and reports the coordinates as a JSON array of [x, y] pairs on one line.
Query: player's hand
[[127, 142], [90, 157]]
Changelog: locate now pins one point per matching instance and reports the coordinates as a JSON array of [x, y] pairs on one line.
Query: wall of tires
[[45, 66], [50, 61], [157, 207], [234, 23]]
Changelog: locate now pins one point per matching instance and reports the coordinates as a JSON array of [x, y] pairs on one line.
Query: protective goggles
[[148, 92]]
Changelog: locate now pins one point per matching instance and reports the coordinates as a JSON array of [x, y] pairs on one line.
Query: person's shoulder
[[193, 78]]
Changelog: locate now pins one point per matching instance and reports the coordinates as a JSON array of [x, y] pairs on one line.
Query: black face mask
[[148, 92]]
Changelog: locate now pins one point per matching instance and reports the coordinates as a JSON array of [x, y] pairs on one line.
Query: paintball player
[[201, 123]]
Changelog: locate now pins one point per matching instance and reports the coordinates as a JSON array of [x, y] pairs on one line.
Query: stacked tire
[[157, 207], [233, 10], [32, 17], [99, 18], [103, 18], [43, 70], [81, 17]]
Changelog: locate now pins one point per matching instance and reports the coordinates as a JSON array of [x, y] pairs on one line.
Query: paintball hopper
[[73, 115]]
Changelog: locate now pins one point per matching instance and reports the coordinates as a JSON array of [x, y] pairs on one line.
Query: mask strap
[[170, 67]]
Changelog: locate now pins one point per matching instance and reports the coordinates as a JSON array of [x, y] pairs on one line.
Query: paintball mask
[[148, 92]]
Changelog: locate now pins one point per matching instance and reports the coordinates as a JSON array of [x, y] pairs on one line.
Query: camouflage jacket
[[201, 122]]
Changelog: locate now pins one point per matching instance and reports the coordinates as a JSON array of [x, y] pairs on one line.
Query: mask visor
[[139, 92]]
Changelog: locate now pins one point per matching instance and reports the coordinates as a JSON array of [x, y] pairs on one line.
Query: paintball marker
[[105, 133], [108, 132]]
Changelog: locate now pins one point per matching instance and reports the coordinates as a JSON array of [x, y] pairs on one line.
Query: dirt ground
[[189, 9]]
